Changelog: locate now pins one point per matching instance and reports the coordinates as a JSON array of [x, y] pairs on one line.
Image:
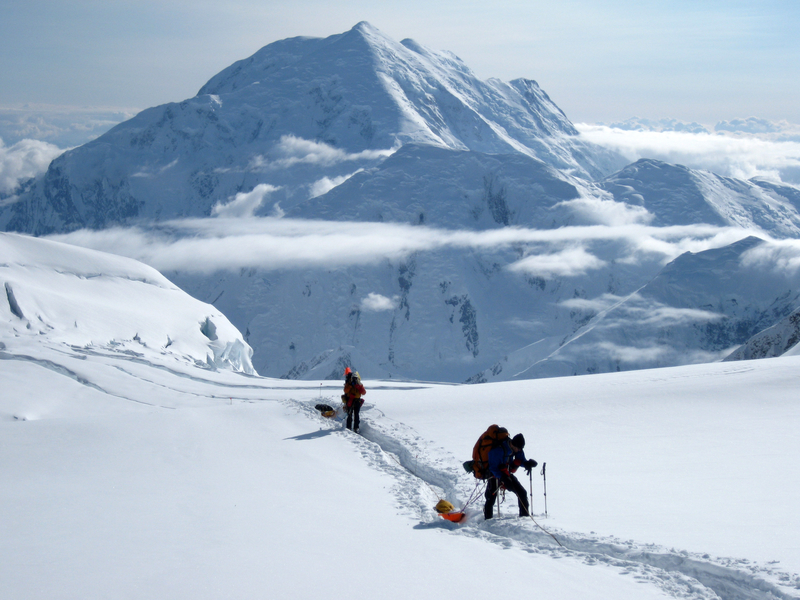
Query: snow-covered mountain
[[89, 302], [458, 313], [297, 112], [778, 340], [362, 131], [697, 309], [677, 195]]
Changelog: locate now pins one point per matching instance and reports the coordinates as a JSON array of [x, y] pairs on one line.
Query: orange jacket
[[354, 392]]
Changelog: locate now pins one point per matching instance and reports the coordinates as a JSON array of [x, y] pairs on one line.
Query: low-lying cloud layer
[[739, 156], [271, 243]]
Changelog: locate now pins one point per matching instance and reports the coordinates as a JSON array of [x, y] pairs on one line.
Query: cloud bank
[[739, 156], [63, 126], [270, 243]]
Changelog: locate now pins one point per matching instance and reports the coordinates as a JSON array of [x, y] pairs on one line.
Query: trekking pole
[[544, 476], [530, 486], [536, 523]]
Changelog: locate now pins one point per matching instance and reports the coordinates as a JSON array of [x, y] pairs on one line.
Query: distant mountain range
[[359, 129]]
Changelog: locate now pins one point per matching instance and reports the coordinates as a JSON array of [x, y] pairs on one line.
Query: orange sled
[[447, 511], [455, 517]]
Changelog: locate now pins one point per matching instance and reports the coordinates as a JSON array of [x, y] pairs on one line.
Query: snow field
[[132, 470], [180, 493]]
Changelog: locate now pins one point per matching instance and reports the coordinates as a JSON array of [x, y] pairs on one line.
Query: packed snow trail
[[398, 450]]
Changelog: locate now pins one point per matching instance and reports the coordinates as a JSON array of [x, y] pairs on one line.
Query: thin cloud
[[652, 354], [147, 173], [742, 157], [645, 311], [566, 263], [291, 150], [641, 354], [598, 304], [63, 126]]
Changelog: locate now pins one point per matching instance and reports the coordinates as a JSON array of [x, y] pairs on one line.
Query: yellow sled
[[326, 411]]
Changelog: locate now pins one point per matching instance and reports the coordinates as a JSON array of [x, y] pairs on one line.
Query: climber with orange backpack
[[495, 458], [352, 398]]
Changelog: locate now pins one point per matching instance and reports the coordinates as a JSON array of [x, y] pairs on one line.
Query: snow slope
[[777, 340], [64, 295], [135, 475], [677, 195]]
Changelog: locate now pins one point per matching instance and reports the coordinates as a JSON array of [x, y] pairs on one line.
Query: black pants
[[512, 484], [353, 418]]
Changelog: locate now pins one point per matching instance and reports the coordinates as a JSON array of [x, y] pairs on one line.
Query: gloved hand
[[530, 465]]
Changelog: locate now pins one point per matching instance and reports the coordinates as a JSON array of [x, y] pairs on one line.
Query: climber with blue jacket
[[504, 460]]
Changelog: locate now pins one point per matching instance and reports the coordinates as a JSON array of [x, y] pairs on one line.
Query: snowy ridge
[[674, 194], [73, 297], [780, 339], [696, 309]]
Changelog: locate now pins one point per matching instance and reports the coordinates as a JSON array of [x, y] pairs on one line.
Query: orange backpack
[[489, 439]]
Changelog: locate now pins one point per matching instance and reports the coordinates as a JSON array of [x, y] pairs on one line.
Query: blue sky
[[600, 61]]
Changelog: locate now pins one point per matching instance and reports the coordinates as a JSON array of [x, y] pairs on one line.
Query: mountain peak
[[365, 27]]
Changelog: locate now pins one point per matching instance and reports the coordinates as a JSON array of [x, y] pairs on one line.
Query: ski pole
[[534, 520], [544, 476], [530, 486]]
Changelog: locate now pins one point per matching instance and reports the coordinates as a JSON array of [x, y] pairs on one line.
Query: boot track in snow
[[424, 474]]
